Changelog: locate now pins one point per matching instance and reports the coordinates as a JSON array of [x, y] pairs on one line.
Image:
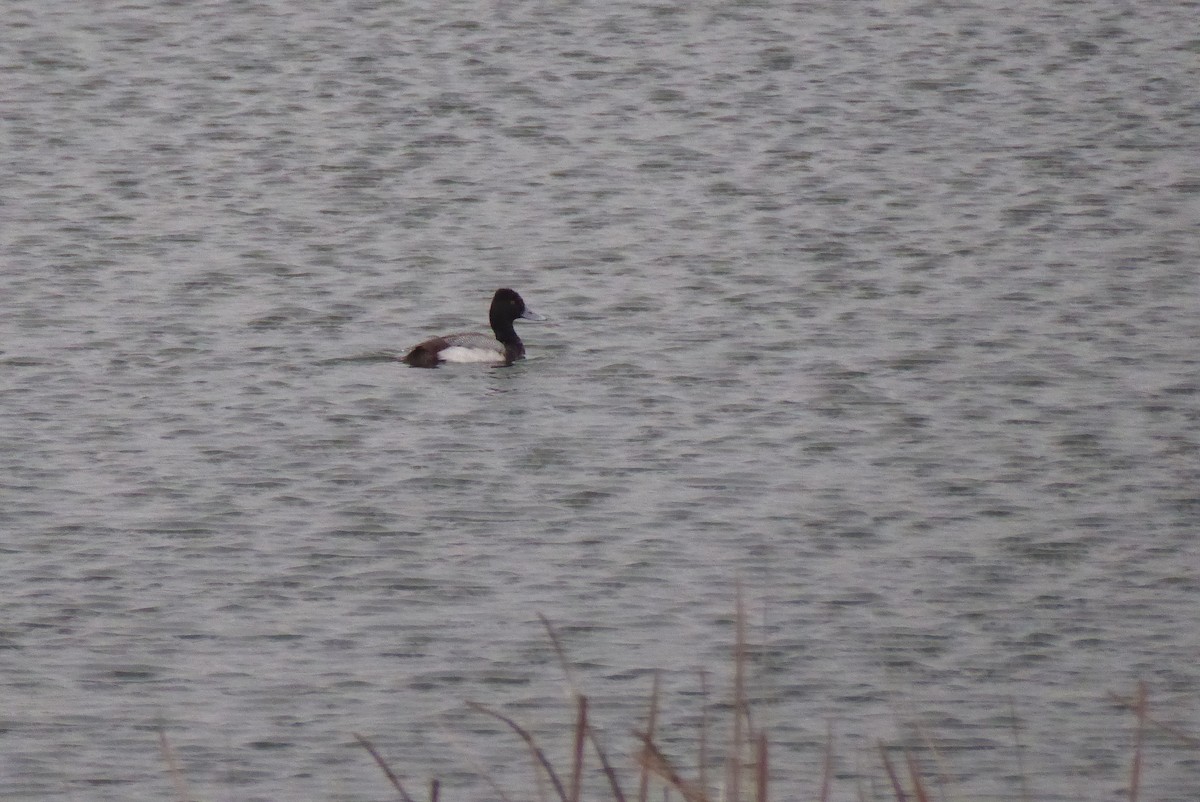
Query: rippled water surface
[[888, 310]]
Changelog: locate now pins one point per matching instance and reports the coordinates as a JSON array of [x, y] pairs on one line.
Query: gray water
[[888, 310]]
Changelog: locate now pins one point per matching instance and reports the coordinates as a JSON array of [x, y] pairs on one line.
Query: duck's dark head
[[507, 307]]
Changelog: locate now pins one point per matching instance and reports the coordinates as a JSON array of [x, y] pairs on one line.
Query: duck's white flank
[[460, 353]]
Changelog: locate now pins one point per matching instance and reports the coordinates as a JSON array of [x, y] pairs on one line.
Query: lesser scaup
[[504, 348]]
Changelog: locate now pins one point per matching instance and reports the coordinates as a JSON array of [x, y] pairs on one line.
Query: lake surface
[[889, 311]]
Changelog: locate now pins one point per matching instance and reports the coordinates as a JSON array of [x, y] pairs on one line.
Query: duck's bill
[[530, 315]]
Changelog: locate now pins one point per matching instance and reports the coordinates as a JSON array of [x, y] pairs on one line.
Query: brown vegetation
[[747, 768]]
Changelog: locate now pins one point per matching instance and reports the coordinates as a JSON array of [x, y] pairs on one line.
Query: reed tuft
[[747, 763]]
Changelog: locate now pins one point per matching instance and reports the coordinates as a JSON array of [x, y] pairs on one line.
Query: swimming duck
[[504, 348]]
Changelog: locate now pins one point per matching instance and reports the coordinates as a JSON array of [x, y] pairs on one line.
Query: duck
[[502, 347]]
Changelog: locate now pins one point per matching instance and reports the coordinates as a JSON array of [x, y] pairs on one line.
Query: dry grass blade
[[762, 770], [539, 777], [704, 729], [613, 782], [387, 770], [943, 777], [581, 727], [561, 653], [651, 724], [827, 765], [177, 778], [1135, 771], [653, 760], [496, 789], [914, 773], [860, 790], [897, 787], [534, 749], [1174, 732], [739, 698]]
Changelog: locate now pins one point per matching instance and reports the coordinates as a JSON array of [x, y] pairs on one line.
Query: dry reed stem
[[739, 696], [538, 778], [703, 767], [613, 782], [177, 778], [503, 797], [476, 765], [1173, 731], [858, 778], [827, 764], [654, 761], [387, 771], [561, 653], [1135, 771], [914, 772], [581, 727], [538, 755], [897, 787], [563, 663], [943, 777], [651, 724], [762, 769]]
